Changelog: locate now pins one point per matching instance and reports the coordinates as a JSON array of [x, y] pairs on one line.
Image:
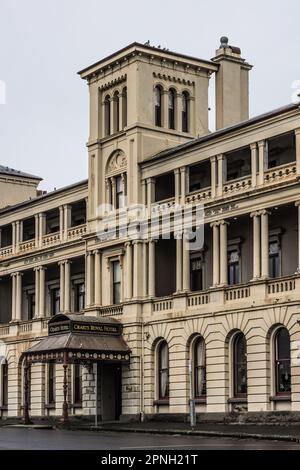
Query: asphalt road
[[34, 439]]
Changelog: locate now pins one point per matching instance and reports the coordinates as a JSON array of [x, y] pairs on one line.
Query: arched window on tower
[[171, 108], [158, 105], [240, 366], [107, 115], [185, 111], [116, 112], [282, 362], [124, 107]]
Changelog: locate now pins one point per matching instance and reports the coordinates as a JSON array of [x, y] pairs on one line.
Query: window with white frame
[[282, 366], [163, 370], [239, 366], [199, 367]]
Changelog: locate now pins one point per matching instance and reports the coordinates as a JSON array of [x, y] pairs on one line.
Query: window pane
[[163, 360], [199, 368], [240, 366]]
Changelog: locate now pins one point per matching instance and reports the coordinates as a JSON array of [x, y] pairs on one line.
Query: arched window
[[199, 364], [4, 385], [124, 107], [282, 362], [51, 383], [163, 371], [107, 115], [240, 366], [185, 111], [158, 105], [116, 112], [171, 108]]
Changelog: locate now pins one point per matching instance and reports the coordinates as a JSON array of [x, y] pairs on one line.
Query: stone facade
[[238, 292]]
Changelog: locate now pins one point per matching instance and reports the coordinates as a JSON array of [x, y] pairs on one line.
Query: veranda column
[[262, 161], [145, 269], [183, 184], [253, 148], [62, 286], [42, 227], [89, 280], [13, 297], [61, 222], [67, 220], [220, 159], [42, 299], [177, 185], [137, 268], [223, 253], [216, 253], [264, 244], [129, 267], [144, 192], [213, 170], [150, 192], [151, 288], [297, 137], [179, 264], [37, 292], [13, 236], [256, 244], [67, 306], [17, 225], [36, 224], [185, 262], [297, 204], [19, 296], [97, 277]]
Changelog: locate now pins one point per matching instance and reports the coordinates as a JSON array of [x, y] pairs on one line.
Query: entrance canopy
[[79, 338]]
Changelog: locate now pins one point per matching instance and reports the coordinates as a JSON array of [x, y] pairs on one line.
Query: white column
[[151, 288], [223, 253], [165, 109], [42, 228], [121, 123], [297, 138], [297, 204], [129, 267], [185, 263], [97, 277], [14, 236], [13, 297], [145, 269], [213, 170], [150, 192], [183, 184], [112, 115], [88, 279], [37, 291], [17, 225], [256, 245], [67, 306], [19, 296], [253, 148], [36, 224], [220, 159], [216, 253], [137, 268], [62, 285], [144, 192], [67, 219], [264, 244], [177, 185], [179, 264], [262, 161], [42, 299]]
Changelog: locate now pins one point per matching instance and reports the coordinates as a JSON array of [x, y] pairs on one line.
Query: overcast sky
[[43, 44]]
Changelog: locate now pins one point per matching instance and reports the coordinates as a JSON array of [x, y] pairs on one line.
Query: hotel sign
[[84, 328]]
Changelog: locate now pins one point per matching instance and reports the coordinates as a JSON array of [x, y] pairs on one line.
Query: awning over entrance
[[82, 338], [75, 338]]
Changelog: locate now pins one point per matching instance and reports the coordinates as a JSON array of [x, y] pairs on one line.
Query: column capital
[[221, 156], [297, 203], [255, 213], [253, 146], [213, 159], [265, 212], [177, 171], [150, 180], [127, 244], [224, 222], [182, 169], [297, 131], [214, 224], [261, 143]]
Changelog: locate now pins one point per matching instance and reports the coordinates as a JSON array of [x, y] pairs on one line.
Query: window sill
[[237, 400], [199, 401], [161, 402], [281, 398], [50, 406]]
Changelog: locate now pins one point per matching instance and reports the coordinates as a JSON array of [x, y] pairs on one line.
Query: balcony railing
[[237, 186], [27, 246], [281, 173], [201, 195], [76, 232], [237, 293], [6, 252], [111, 310], [51, 239], [194, 300], [161, 305], [280, 286]]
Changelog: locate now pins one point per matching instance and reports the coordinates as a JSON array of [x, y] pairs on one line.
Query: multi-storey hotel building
[[96, 319]]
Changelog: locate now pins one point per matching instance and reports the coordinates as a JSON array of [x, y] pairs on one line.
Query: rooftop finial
[[224, 41]]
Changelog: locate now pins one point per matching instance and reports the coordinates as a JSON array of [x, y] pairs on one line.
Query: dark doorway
[[111, 391]]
